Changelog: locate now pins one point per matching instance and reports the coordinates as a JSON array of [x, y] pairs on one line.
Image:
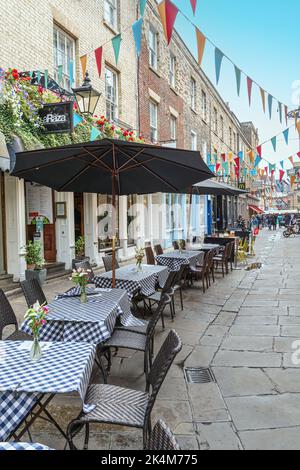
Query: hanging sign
[[57, 118]]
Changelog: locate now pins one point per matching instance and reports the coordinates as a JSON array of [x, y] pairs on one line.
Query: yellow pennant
[[83, 61], [298, 126], [291, 159], [293, 180], [201, 41], [162, 11]]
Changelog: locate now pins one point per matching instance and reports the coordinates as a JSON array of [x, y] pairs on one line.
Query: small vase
[[139, 267], [36, 351], [83, 296]]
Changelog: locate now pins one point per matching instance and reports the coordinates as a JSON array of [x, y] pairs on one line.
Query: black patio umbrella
[[112, 167], [216, 188]]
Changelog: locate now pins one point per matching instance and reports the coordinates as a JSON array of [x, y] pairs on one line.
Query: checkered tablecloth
[[94, 321], [134, 281], [204, 247], [175, 259], [63, 368], [22, 446]]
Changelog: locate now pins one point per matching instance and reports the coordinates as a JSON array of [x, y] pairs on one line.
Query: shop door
[[78, 215], [2, 252]]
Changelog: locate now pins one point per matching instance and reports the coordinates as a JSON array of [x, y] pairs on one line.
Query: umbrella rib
[[74, 178], [130, 157], [45, 165], [99, 159]]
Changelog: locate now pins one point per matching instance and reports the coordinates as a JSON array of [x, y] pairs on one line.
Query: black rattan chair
[[108, 262], [88, 268], [167, 293], [33, 292], [223, 259], [150, 255], [123, 406], [162, 438], [175, 246], [8, 318], [135, 340], [158, 250]]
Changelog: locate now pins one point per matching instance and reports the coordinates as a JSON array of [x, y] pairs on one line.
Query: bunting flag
[[251, 155], [46, 76], [259, 150], [274, 143], [230, 156], [168, 13], [263, 98], [218, 63], [286, 136], [201, 41], [272, 168], [257, 161], [194, 5], [116, 43], [83, 62], [298, 126], [291, 159], [298, 154], [270, 104], [94, 134], [286, 114], [226, 167], [71, 72], [77, 119], [223, 156], [218, 166], [282, 164], [208, 158], [293, 180], [38, 73], [238, 79], [142, 6], [241, 156], [266, 170], [249, 88], [98, 56], [280, 111], [245, 172], [137, 29], [212, 168], [253, 172], [59, 73], [281, 175]]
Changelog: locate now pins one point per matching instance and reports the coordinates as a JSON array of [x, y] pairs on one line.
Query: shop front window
[[105, 222]]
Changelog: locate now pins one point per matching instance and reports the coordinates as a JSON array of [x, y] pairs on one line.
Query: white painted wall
[[65, 231]]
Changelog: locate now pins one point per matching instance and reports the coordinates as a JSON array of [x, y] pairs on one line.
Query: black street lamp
[[86, 97]]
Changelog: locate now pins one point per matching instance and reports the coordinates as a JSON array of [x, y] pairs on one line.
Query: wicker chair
[[162, 438], [158, 250], [128, 339], [123, 406], [88, 268], [179, 282], [231, 254], [167, 293], [222, 259], [33, 292], [108, 263], [201, 272], [8, 318], [175, 245], [150, 255]]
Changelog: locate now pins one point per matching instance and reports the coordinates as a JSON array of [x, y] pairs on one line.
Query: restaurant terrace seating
[[8, 318], [33, 292], [108, 263]]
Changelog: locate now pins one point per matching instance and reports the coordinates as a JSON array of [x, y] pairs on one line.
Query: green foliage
[[34, 255], [80, 247]]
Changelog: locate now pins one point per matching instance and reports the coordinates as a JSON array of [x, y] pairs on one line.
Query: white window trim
[[66, 73], [114, 5], [116, 104], [173, 128], [153, 31], [172, 70], [204, 105], [152, 127], [194, 136]]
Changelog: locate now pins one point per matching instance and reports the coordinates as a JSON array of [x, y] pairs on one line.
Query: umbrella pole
[[114, 233]]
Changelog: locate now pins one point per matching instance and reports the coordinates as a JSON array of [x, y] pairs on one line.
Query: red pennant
[[171, 14], [223, 156], [237, 162], [298, 154], [218, 166], [259, 150], [194, 5], [266, 169], [98, 55], [249, 86], [281, 175]]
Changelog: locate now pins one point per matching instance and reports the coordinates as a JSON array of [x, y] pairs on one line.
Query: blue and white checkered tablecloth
[[133, 281], [63, 368], [22, 446], [175, 259], [94, 321]]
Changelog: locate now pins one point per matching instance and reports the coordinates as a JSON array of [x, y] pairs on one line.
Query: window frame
[[153, 104], [114, 6], [173, 128], [114, 106], [58, 32], [153, 53], [204, 105], [193, 94], [194, 136], [172, 70]]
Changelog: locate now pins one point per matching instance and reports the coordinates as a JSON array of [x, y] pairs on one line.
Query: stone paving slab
[[246, 343], [271, 439], [243, 381], [247, 359]]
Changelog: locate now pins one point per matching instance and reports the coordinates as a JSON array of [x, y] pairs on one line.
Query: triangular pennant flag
[[249, 88], [245, 172], [201, 41], [280, 111], [281, 175], [94, 134], [194, 5], [253, 172], [286, 136], [270, 104], [142, 6], [298, 154], [71, 72], [238, 73], [291, 159], [241, 156], [212, 168], [98, 56], [226, 167], [263, 98], [259, 150], [208, 158], [266, 169], [274, 143], [286, 114], [137, 28], [218, 63], [293, 180], [77, 119], [116, 43], [237, 162], [282, 164], [83, 61], [218, 166], [230, 156], [223, 156], [168, 13], [257, 161], [298, 126], [46, 76]]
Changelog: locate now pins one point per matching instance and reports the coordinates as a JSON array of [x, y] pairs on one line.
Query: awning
[[256, 209], [217, 188]]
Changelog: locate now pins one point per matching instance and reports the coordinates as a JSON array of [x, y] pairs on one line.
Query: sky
[[261, 38]]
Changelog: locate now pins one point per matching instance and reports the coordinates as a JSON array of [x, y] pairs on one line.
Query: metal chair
[[85, 265], [223, 260], [123, 406], [8, 318], [33, 292], [150, 255], [129, 339], [201, 272], [162, 438], [108, 263], [158, 250]]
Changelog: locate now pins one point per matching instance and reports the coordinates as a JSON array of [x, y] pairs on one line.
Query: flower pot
[[39, 274]]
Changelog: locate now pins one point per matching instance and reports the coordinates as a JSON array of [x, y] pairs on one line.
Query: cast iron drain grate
[[199, 375]]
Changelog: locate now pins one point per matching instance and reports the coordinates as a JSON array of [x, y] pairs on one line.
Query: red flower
[[40, 90], [15, 75]]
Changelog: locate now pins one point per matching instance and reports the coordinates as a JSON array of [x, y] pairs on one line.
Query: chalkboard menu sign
[[57, 118]]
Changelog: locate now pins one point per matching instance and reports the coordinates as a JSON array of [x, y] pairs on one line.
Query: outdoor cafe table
[[22, 446], [204, 247], [26, 385], [133, 281], [175, 259], [94, 321]]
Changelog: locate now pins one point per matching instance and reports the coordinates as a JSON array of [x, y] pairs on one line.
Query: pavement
[[243, 329]]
